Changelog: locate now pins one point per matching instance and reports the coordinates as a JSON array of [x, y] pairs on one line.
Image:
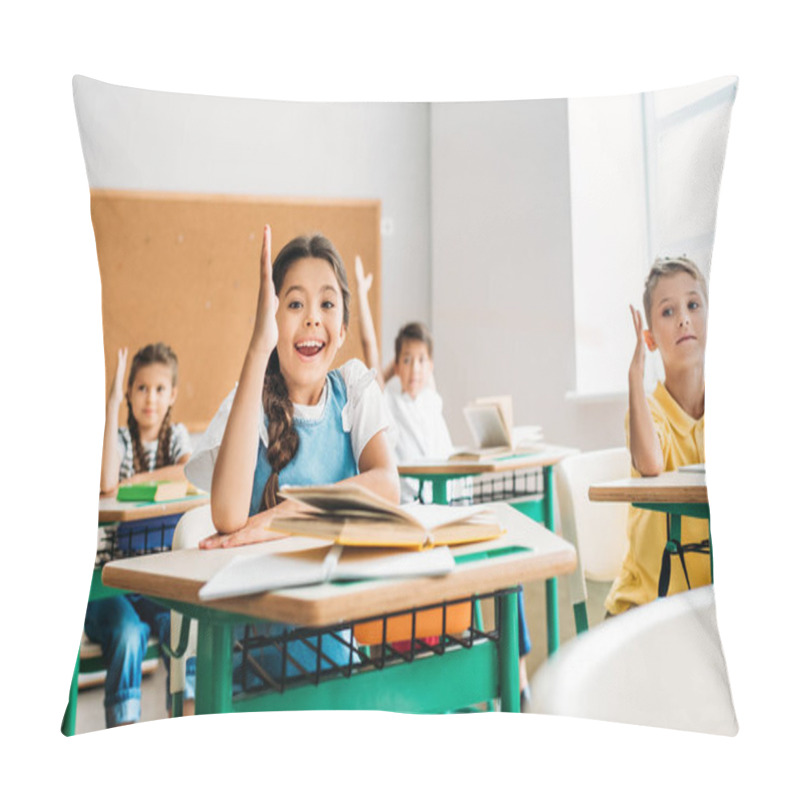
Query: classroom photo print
[[521, 233]]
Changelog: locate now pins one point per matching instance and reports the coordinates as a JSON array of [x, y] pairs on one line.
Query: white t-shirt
[[363, 416], [419, 430]]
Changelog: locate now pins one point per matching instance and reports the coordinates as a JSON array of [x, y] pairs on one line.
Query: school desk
[[456, 673], [677, 494], [511, 483], [150, 528]]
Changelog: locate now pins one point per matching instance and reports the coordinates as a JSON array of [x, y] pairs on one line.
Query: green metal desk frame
[[430, 684], [675, 512], [541, 510]]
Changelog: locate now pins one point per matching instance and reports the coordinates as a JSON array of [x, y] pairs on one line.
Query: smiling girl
[[666, 429], [293, 420]]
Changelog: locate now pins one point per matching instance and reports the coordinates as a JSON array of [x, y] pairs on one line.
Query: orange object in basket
[[429, 623]]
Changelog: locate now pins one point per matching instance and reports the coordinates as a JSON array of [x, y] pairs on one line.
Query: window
[[644, 181]]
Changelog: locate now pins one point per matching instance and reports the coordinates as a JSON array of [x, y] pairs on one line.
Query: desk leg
[[68, 723], [509, 653], [214, 668], [551, 584], [439, 491]]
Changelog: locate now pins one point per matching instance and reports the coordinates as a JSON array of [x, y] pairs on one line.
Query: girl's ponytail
[[282, 435], [164, 441], [138, 452]]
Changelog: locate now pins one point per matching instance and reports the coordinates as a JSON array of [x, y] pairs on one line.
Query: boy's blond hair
[[669, 266]]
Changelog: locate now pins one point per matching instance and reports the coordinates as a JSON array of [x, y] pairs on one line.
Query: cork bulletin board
[[183, 269]]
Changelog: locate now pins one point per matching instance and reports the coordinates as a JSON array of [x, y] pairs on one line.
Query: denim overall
[[324, 455]]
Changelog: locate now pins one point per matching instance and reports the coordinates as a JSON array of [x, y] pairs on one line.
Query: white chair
[[596, 530], [193, 526], [660, 664]]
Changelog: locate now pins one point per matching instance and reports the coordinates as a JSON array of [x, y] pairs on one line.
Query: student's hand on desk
[[265, 331], [256, 530]]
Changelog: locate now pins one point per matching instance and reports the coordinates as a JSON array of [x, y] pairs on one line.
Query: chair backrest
[[597, 530], [660, 664]]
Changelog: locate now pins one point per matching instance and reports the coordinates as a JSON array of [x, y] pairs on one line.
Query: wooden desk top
[[549, 455], [178, 575], [112, 510], [669, 487]]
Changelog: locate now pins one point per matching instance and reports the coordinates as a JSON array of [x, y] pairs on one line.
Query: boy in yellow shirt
[[666, 429]]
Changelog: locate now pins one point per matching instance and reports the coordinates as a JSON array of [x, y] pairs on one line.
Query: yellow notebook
[[352, 515]]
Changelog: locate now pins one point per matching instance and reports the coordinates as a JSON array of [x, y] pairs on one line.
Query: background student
[[150, 447], [412, 399], [666, 429]]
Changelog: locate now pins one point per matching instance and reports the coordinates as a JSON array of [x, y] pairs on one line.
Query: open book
[[269, 571], [490, 420], [352, 515]]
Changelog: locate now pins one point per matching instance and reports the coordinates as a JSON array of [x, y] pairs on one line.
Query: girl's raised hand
[[640, 352], [118, 386], [363, 282], [255, 530], [265, 332]]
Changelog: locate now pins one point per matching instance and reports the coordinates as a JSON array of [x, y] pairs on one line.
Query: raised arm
[[232, 482], [369, 340], [109, 471], [646, 454]]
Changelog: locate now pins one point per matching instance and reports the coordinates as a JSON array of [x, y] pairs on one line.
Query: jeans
[[524, 638], [121, 626]]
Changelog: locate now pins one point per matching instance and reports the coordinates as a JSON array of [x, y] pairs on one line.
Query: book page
[[344, 499], [487, 426], [504, 404], [262, 573]]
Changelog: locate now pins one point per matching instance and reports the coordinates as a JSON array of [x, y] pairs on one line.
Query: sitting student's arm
[[377, 469], [645, 447], [377, 473], [232, 482], [173, 472], [109, 472], [369, 341]]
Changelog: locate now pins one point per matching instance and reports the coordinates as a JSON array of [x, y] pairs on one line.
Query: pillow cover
[[569, 201]]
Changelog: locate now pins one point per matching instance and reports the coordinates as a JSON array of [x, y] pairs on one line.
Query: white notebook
[[268, 571]]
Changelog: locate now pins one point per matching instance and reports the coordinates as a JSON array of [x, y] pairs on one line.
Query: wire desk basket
[[126, 539], [255, 649]]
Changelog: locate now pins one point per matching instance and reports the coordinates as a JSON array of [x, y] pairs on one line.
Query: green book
[[152, 491]]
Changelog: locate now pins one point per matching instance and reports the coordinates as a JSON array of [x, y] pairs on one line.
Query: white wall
[[159, 141], [478, 198], [502, 268]]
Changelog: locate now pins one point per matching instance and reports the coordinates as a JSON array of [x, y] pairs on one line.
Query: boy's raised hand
[[363, 282], [640, 352], [265, 332]]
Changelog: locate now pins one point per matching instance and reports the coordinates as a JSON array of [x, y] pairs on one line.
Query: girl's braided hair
[[283, 437], [158, 353]]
